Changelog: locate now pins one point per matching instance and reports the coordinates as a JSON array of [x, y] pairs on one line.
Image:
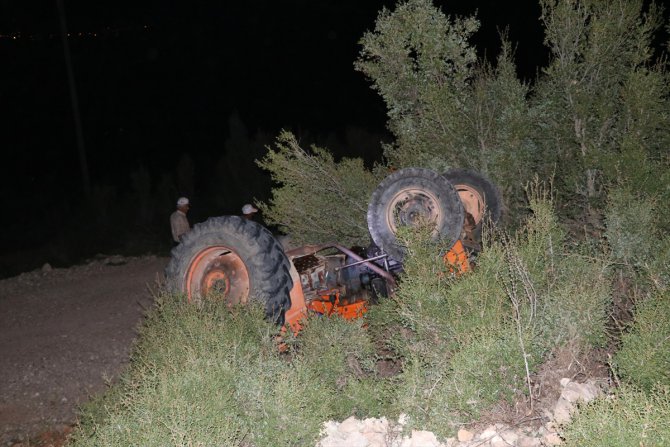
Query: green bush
[[318, 200], [456, 338], [487, 371], [444, 109], [637, 237], [644, 357], [443, 394], [211, 376], [181, 387], [595, 117], [659, 266], [628, 418], [341, 354], [420, 62], [572, 288], [467, 343], [601, 104], [630, 227], [575, 311]]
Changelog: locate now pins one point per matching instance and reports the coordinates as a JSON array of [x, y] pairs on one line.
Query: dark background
[[178, 98]]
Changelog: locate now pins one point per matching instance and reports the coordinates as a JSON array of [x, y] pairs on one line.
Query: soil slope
[[64, 334]]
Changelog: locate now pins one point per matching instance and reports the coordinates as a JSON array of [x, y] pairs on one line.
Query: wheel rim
[[473, 202], [411, 204], [218, 273]]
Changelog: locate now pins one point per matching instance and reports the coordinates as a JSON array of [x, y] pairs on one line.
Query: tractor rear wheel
[[481, 200], [406, 197], [234, 260], [479, 195]]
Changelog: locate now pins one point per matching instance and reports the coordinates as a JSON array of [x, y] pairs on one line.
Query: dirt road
[[64, 333]]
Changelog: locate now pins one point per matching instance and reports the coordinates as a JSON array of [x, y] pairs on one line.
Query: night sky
[[158, 79]]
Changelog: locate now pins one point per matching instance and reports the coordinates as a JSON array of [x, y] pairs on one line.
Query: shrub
[[630, 227], [637, 238], [342, 356], [596, 116], [420, 62], [468, 342], [567, 291], [211, 376], [644, 357], [459, 345], [318, 200], [574, 311], [182, 386], [659, 265], [444, 109], [627, 418], [601, 103], [573, 289], [487, 371], [442, 395]]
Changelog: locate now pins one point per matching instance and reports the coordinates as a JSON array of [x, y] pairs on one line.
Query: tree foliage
[[318, 200], [596, 117], [445, 109], [602, 103], [420, 62]]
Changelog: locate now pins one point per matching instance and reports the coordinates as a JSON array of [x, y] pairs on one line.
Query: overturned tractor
[[236, 260]]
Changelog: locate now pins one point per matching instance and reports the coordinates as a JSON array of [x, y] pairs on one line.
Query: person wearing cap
[[248, 211], [179, 221]]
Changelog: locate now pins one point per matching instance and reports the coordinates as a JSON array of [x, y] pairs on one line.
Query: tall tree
[[445, 108], [602, 103]]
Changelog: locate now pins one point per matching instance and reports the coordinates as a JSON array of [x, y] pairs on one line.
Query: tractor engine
[[340, 282], [323, 276]]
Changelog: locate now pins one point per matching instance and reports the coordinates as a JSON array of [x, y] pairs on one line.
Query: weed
[[211, 375], [644, 357], [629, 417]]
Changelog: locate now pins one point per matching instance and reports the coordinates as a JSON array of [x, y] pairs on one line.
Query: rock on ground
[[381, 433]]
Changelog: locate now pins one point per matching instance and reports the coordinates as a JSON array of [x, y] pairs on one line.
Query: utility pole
[[83, 164]]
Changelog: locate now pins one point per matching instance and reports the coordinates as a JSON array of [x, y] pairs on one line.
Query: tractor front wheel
[[407, 197]]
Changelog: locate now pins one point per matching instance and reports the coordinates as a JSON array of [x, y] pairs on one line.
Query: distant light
[[106, 32]]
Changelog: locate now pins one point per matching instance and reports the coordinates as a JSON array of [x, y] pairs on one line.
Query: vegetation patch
[[210, 375], [644, 357], [628, 417]]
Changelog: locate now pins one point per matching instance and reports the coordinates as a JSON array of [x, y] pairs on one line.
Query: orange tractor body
[[334, 300]]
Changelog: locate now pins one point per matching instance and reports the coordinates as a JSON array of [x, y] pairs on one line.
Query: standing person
[[178, 220], [248, 211]]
